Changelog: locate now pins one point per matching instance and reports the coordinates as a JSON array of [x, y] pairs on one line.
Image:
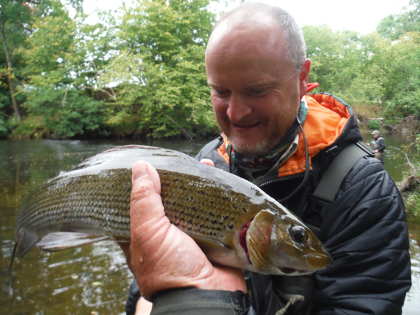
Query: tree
[[402, 78], [336, 58], [367, 70], [160, 73], [395, 25], [367, 84], [57, 76], [14, 16], [400, 62]]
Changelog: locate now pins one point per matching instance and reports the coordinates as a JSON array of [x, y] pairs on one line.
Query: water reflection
[[91, 278]]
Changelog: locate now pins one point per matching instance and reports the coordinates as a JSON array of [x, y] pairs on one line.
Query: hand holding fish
[[160, 255]]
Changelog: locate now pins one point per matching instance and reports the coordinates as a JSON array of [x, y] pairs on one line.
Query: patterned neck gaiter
[[253, 166]]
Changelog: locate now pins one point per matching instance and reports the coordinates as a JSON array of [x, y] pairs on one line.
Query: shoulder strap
[[331, 179]]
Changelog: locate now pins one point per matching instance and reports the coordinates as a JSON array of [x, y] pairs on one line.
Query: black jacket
[[364, 230]]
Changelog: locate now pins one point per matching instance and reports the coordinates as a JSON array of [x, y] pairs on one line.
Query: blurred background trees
[[140, 73]]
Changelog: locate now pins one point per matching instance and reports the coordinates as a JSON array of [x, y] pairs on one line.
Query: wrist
[[223, 278]]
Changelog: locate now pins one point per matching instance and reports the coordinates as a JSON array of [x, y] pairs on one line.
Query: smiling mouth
[[245, 126]]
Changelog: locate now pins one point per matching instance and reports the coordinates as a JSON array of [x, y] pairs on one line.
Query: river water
[[93, 279]]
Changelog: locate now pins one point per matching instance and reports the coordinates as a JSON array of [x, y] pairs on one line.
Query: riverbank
[[407, 130]]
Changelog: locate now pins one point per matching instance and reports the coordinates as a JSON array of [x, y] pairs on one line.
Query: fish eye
[[298, 234]]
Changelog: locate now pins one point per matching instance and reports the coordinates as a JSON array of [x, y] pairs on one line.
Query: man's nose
[[238, 108]]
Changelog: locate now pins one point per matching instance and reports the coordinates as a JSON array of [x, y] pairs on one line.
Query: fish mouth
[[293, 272], [319, 261], [242, 239]]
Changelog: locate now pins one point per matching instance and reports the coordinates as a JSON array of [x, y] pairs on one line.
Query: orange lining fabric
[[222, 149], [324, 123]]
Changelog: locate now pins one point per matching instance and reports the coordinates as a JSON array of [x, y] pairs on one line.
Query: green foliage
[[4, 106], [412, 203], [3, 118], [339, 63], [15, 16], [157, 29], [369, 70], [64, 114], [402, 81], [374, 124], [141, 73], [412, 198], [31, 126], [57, 75], [396, 25], [160, 69]]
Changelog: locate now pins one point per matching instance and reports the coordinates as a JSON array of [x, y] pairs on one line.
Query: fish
[[234, 222]]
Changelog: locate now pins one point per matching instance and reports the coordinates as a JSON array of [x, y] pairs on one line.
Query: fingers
[[160, 255], [148, 223], [207, 162], [145, 194], [145, 191]]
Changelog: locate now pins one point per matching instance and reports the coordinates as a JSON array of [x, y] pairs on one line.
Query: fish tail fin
[[12, 258], [25, 240]]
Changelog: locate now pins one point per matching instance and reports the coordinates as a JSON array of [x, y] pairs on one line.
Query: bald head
[[260, 24]]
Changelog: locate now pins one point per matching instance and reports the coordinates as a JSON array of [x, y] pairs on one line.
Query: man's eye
[[257, 92], [221, 93]]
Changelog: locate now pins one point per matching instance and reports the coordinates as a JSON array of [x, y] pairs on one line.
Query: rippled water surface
[[91, 279], [412, 301]]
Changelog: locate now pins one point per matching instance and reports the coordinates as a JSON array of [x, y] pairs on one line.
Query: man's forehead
[[256, 26], [247, 47]]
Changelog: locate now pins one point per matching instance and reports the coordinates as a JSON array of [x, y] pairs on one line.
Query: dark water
[[91, 279]]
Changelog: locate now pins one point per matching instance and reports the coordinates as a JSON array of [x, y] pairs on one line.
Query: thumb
[[146, 203]]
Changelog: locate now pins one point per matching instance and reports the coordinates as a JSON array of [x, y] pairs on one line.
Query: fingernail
[[207, 162], [139, 169]]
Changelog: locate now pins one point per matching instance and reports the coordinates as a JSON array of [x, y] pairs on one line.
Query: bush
[[412, 203], [374, 124], [61, 114]]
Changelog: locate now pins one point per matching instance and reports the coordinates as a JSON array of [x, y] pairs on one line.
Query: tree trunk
[[411, 181], [10, 76]]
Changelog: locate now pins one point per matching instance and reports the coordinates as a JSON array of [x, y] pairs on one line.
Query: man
[[282, 139], [378, 145]]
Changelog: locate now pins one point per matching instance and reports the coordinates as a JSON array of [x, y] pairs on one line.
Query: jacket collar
[[325, 120]]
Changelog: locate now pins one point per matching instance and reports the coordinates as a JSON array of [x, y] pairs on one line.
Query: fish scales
[[84, 203], [87, 201], [209, 215], [225, 214], [180, 210]]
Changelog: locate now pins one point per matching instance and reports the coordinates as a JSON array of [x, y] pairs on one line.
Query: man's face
[[255, 89]]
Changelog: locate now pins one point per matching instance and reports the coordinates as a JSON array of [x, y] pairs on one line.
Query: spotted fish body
[[234, 222]]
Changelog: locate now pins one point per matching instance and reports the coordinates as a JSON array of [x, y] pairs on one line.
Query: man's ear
[[304, 77]]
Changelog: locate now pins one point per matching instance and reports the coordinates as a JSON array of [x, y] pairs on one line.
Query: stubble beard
[[260, 148]]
